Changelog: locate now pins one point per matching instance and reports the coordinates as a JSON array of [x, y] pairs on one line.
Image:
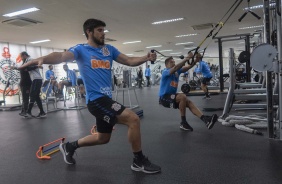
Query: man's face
[[198, 59], [23, 57], [98, 35], [65, 68], [171, 63], [51, 67]]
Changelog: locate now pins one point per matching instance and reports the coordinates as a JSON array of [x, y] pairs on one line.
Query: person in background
[[36, 84], [81, 86], [25, 84], [148, 75], [94, 60], [140, 77], [50, 75], [169, 98], [70, 81], [185, 75], [204, 69]]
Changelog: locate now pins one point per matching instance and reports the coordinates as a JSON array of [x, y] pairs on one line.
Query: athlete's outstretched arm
[[53, 58], [135, 61]]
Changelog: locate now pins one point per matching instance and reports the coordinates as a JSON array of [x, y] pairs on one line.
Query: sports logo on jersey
[[116, 106], [100, 64], [107, 119], [9, 79], [105, 51]]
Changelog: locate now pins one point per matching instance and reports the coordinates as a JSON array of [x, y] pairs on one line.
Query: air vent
[[203, 26], [139, 51], [109, 40], [21, 22]]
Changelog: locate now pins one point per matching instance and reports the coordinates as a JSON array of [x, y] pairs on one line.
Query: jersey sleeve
[[75, 51], [47, 75], [115, 52], [166, 73]]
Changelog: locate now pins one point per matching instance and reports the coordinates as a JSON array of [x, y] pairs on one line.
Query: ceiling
[[127, 20]]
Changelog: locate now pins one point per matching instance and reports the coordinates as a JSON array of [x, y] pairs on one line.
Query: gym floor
[[217, 156]]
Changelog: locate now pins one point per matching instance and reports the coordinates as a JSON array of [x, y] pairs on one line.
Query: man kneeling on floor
[[171, 99]]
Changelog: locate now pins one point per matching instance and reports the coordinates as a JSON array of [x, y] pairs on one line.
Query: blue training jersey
[[205, 69], [71, 77], [48, 74], [95, 68], [147, 72], [169, 83]]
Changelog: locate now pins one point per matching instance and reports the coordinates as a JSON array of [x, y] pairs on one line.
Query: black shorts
[[169, 101], [105, 110], [206, 80], [80, 81]]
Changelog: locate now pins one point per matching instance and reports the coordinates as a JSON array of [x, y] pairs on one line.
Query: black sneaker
[[207, 97], [28, 115], [210, 120], [145, 166], [41, 115], [185, 126], [67, 154], [22, 113]]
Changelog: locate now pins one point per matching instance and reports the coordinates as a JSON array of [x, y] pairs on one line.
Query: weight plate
[[262, 57]]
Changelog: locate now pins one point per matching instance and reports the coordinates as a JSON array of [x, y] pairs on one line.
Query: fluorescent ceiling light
[[168, 21], [153, 46], [21, 12], [165, 50], [179, 36], [131, 42], [251, 27], [258, 6], [190, 48], [40, 41], [129, 54], [176, 53], [184, 43]]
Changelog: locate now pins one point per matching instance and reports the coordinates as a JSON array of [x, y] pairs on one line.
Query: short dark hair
[[90, 24], [168, 59], [50, 66], [24, 53]]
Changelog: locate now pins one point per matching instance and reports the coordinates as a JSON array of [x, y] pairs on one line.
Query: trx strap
[[220, 24]]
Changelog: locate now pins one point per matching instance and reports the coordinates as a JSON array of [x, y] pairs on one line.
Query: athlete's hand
[[151, 56]]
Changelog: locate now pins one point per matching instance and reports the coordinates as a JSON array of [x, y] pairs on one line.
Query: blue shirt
[[147, 72], [95, 68], [48, 74], [197, 70], [71, 77], [169, 83], [205, 69]]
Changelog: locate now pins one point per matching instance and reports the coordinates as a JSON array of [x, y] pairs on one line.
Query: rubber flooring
[[222, 155]]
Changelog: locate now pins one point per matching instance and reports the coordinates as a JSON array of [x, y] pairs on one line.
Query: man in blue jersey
[[70, 81], [95, 60], [148, 75], [168, 96], [50, 77], [207, 75]]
